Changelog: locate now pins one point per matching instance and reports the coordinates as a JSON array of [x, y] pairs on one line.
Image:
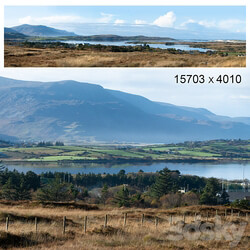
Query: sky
[[156, 84], [196, 18]]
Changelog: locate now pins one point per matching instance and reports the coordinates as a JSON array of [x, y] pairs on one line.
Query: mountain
[[115, 38], [41, 30], [198, 32], [71, 111], [7, 138], [13, 34]]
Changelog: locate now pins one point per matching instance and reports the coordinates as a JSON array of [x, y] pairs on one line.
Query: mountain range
[[78, 112], [39, 30], [93, 29]]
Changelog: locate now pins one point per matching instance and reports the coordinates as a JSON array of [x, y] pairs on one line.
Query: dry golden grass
[[15, 56], [116, 236]]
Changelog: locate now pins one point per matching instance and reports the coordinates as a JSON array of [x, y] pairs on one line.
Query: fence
[[228, 213]]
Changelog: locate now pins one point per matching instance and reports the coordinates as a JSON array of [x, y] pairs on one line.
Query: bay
[[229, 171]]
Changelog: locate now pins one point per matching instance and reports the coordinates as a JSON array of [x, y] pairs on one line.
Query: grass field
[[149, 234], [211, 150], [15, 56]]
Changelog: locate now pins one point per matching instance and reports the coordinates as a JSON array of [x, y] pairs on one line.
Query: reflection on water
[[223, 171]]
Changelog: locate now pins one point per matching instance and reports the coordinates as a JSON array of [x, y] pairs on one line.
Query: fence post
[[171, 219], [142, 219], [184, 217], [36, 225], [207, 216], [156, 222], [246, 215], [106, 221], [85, 223], [232, 212], [7, 223], [195, 216], [64, 224], [125, 220], [216, 212]]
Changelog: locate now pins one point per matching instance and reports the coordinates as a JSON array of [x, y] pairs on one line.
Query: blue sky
[[196, 18]]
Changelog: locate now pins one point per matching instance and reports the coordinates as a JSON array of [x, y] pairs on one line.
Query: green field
[[209, 150]]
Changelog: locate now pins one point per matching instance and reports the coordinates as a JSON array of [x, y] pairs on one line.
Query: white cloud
[[233, 25], [50, 19], [138, 22], [119, 21], [106, 18], [187, 22], [166, 20], [207, 24], [25, 20]]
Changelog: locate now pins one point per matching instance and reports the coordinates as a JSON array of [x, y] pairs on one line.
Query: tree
[[105, 193], [2, 167], [16, 189], [209, 195], [59, 143], [122, 197], [166, 182], [224, 198], [57, 191]]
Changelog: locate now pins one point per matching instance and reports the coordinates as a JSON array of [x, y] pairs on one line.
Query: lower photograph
[[123, 159]]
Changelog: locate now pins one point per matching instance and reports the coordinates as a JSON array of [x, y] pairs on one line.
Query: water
[[229, 171], [125, 43]]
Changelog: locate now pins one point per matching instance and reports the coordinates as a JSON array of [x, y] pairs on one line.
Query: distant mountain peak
[[41, 30]]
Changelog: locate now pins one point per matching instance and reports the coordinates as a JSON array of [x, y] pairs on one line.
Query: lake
[[124, 43], [230, 171]]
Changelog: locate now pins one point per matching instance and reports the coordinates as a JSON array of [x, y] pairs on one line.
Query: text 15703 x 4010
[[226, 79]]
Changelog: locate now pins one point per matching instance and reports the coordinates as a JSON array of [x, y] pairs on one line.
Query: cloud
[[119, 21], [106, 18], [138, 22], [233, 25], [166, 20], [50, 19], [187, 22]]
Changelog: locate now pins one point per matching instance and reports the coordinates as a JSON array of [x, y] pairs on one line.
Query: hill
[[13, 34], [41, 30], [76, 112]]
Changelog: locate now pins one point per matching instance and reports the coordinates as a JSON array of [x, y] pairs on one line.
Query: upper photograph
[[125, 36]]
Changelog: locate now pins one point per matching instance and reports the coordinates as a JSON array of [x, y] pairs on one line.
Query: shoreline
[[125, 161]]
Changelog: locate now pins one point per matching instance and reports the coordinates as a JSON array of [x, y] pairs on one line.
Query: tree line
[[165, 188]]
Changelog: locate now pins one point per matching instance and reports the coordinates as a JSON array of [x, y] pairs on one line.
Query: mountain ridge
[[41, 30], [72, 111]]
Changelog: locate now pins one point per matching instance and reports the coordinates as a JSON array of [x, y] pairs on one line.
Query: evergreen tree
[[57, 191], [105, 193], [166, 182], [209, 195], [15, 189], [224, 198], [122, 197]]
